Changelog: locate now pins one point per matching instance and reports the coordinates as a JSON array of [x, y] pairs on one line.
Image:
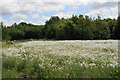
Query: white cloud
[[101, 12], [101, 1], [2, 20], [19, 16], [104, 12], [41, 22], [71, 12], [32, 22], [7, 23], [14, 6], [11, 7], [21, 20], [35, 16], [20, 8], [42, 7], [114, 12], [63, 15], [45, 18], [8, 8]]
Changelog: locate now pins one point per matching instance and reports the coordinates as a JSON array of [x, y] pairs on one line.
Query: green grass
[[55, 66], [13, 67]]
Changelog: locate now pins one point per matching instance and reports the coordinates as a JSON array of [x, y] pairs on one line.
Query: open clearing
[[62, 59]]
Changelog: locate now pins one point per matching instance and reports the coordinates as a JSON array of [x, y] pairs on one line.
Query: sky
[[39, 11]]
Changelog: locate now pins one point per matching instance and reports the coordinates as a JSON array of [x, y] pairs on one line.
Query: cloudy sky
[[38, 11]]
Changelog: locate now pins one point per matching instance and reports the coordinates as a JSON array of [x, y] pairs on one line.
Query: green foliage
[[77, 27], [5, 33], [16, 33], [8, 62], [13, 67], [117, 29]]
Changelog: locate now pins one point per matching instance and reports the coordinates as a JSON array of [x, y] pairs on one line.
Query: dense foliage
[[75, 28]]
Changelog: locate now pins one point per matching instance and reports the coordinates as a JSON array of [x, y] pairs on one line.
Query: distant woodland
[[74, 28]]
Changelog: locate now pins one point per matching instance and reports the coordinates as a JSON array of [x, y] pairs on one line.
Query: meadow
[[61, 59]]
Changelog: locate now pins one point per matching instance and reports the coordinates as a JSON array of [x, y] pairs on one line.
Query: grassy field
[[61, 59]]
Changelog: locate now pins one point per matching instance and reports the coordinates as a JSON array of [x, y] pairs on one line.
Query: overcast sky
[[38, 11]]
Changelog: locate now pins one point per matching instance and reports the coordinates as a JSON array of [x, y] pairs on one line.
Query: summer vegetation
[[77, 47], [74, 28], [61, 59]]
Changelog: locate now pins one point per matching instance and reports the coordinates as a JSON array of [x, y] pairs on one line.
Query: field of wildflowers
[[61, 59]]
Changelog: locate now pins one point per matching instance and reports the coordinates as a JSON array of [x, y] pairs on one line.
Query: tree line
[[74, 28]]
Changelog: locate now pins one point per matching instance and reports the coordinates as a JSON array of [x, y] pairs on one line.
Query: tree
[[101, 31], [117, 29], [51, 32], [5, 33], [52, 20], [16, 34], [74, 19], [69, 30], [77, 27]]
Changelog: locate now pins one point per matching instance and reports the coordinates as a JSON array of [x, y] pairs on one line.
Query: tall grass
[[52, 59]]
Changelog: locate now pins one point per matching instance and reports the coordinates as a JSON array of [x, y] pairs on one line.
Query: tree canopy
[[74, 28]]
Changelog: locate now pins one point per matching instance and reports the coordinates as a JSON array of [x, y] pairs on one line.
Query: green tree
[[117, 29], [74, 19], [16, 34], [5, 32], [69, 30]]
